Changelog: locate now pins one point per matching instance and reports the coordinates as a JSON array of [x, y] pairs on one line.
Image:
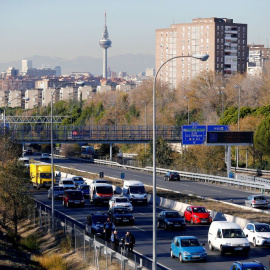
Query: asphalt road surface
[[142, 229]]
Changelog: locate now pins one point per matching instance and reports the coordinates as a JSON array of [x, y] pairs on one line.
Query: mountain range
[[130, 63]]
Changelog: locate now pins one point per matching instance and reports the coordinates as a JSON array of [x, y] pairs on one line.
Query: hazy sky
[[70, 28]]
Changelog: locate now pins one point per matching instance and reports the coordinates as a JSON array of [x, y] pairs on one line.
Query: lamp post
[[52, 155], [238, 118], [202, 58], [187, 107], [145, 122]]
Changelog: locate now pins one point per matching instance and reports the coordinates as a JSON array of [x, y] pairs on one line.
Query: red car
[[197, 215]]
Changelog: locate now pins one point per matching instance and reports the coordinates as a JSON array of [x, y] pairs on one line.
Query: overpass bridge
[[92, 133]]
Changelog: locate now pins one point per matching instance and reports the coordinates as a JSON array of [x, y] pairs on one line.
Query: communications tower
[[105, 43]]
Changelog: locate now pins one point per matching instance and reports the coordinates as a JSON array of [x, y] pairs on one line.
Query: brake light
[[254, 201]]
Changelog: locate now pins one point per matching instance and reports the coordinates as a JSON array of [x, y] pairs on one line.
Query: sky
[[71, 28]]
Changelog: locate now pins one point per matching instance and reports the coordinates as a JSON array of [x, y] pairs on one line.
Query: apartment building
[[35, 98], [258, 55], [15, 99], [85, 92], [26, 64], [221, 38], [3, 98]]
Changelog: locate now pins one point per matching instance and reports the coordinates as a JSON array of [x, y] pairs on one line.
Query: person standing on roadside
[[129, 241], [107, 229], [115, 240]]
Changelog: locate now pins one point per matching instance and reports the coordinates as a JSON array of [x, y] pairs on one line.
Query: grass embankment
[[209, 204]]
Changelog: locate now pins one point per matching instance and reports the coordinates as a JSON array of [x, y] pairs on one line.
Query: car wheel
[[172, 256], [158, 224], [180, 258], [222, 251], [63, 203], [67, 205], [210, 246], [254, 242]]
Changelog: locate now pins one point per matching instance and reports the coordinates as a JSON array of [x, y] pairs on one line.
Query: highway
[[143, 218]]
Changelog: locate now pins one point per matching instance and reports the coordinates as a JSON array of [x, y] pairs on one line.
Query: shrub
[[66, 244], [30, 242], [51, 262]]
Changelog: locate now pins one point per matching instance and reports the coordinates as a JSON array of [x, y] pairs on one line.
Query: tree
[[262, 136]]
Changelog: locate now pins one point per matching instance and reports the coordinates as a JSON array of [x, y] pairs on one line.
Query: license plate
[[125, 220], [238, 248], [204, 221], [139, 201], [196, 256], [177, 225], [77, 202]]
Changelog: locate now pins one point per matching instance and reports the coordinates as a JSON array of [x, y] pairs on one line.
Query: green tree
[[262, 136]]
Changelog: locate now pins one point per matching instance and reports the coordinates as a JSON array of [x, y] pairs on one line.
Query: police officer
[[115, 240], [107, 229]]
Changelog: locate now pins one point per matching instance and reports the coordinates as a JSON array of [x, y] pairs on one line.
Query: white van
[[227, 237], [100, 193], [134, 191]]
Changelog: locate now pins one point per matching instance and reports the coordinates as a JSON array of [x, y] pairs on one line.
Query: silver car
[[256, 201]]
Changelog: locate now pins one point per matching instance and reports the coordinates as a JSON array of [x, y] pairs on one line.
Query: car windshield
[[259, 198], [121, 211], [137, 190], [121, 200], [99, 219], [233, 233], [68, 182], [262, 228], [86, 187], [172, 215], [105, 190], [58, 188], [45, 175], [189, 243], [199, 210], [74, 194]]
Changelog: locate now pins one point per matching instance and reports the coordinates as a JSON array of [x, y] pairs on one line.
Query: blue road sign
[[218, 128], [193, 134]]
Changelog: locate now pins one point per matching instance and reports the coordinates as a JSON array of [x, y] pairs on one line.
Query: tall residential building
[[26, 64], [221, 38]]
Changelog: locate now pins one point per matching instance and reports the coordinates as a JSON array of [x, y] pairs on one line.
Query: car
[[257, 233], [188, 248], [94, 223], [58, 192], [172, 176], [171, 220], [255, 265], [256, 201], [73, 198], [120, 215], [28, 152], [84, 188], [78, 180], [98, 181], [67, 183], [120, 201], [44, 157], [25, 161], [197, 215]]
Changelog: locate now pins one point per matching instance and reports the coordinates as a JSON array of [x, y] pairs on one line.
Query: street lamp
[[203, 57], [238, 119], [187, 107], [52, 155]]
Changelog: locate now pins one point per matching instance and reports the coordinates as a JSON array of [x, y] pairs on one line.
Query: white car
[[67, 183], [121, 201], [258, 233]]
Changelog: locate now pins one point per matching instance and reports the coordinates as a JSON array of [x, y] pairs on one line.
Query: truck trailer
[[41, 175]]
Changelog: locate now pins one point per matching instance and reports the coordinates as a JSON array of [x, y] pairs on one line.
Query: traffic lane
[[143, 231], [218, 192]]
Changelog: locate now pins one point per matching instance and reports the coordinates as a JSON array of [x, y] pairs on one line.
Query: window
[[219, 235]]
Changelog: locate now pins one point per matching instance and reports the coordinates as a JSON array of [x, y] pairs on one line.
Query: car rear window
[[75, 194], [259, 198], [68, 182]]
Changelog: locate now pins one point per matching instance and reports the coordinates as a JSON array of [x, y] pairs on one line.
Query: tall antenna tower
[[105, 43]]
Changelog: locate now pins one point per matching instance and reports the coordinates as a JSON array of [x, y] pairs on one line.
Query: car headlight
[[204, 254], [169, 223], [228, 244], [259, 236], [246, 244], [118, 218], [70, 200], [185, 253], [145, 196], [196, 216]]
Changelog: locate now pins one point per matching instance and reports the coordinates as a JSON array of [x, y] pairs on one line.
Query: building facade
[[221, 38], [26, 64]]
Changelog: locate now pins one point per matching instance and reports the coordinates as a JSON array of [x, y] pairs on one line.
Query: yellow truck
[[41, 176]]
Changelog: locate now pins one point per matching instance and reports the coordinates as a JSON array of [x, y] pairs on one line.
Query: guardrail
[[91, 248], [247, 170]]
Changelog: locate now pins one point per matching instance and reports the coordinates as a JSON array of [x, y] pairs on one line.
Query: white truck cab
[[227, 237], [134, 191]]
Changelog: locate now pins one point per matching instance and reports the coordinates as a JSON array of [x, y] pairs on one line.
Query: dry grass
[[51, 262]]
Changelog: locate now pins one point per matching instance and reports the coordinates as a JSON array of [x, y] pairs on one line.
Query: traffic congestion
[[186, 236]]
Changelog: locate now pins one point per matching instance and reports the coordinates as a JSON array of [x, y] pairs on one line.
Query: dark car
[[73, 198], [255, 265], [95, 222], [84, 188], [172, 176], [59, 192], [121, 215], [28, 152], [171, 220]]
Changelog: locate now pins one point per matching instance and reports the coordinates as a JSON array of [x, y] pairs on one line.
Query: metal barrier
[[93, 250]]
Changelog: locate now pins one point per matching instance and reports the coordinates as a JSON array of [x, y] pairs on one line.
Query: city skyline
[[70, 29]]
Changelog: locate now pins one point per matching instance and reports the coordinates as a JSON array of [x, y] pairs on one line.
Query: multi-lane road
[[143, 218]]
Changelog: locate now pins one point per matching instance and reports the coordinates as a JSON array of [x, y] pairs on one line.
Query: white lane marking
[[139, 228]]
